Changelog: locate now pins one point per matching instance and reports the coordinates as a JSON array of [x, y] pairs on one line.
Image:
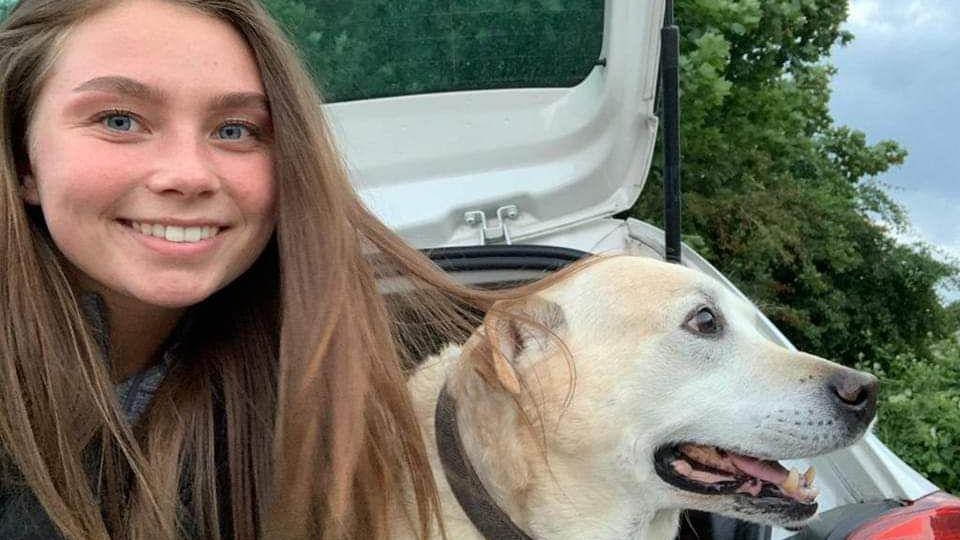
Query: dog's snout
[[855, 392]]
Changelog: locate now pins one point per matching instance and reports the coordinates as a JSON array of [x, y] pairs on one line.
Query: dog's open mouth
[[713, 471]]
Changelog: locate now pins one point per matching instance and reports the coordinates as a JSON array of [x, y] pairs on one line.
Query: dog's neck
[[545, 500]]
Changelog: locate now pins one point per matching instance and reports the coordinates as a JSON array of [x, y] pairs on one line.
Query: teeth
[[806, 494], [192, 234], [792, 482], [808, 476], [173, 233]]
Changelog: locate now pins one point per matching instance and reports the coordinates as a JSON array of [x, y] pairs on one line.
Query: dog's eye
[[704, 321]]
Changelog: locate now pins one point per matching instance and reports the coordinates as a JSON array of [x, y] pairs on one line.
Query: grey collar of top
[[136, 392]]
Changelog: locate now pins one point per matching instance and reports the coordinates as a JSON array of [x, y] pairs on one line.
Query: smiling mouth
[[757, 483], [174, 233]]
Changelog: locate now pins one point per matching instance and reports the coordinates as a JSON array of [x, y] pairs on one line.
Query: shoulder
[[22, 517]]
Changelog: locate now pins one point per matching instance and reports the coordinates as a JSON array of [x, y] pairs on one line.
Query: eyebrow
[[137, 90], [122, 85], [241, 100]]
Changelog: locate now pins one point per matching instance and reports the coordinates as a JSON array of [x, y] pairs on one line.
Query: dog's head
[[679, 400]]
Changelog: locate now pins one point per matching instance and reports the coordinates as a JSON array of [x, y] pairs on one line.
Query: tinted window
[[373, 48]]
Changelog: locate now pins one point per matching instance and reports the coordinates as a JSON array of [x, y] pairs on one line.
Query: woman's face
[[150, 154]]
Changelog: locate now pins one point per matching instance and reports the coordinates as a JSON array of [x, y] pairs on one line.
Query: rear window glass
[[360, 49]]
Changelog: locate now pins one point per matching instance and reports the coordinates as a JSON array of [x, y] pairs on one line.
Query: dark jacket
[[21, 515]]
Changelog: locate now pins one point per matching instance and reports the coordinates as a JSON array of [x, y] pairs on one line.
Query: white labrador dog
[[677, 401]]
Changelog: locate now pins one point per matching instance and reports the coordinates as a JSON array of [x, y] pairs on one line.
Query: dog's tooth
[[808, 494], [792, 482], [809, 475]]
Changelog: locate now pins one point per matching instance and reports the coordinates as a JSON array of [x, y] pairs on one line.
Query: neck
[[136, 333], [572, 498], [567, 500], [136, 330]]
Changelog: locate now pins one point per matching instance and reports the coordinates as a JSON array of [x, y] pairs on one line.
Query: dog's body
[[667, 368]]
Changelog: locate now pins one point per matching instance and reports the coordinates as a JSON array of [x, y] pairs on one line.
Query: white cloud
[[862, 12], [866, 16], [903, 20], [921, 13]]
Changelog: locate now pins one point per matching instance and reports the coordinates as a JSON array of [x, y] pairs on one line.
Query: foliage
[[920, 411], [780, 198], [953, 316]]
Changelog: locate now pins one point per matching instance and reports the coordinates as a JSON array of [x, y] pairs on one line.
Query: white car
[[507, 184]]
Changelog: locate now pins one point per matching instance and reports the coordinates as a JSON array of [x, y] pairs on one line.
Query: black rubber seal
[[514, 257]]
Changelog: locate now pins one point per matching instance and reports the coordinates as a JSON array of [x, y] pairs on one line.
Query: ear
[[28, 190], [515, 328]]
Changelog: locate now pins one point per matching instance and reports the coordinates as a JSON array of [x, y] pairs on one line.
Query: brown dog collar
[[476, 502]]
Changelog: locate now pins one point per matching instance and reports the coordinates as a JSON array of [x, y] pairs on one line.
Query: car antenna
[[670, 119]]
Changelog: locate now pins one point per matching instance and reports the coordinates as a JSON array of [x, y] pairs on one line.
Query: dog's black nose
[[855, 393]]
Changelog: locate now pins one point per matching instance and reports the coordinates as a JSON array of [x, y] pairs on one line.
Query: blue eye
[[233, 132], [119, 122]]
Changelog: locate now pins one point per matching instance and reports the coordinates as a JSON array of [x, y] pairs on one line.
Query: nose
[[855, 393], [184, 169]]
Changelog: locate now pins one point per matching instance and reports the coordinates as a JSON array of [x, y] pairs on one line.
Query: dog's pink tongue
[[768, 471]]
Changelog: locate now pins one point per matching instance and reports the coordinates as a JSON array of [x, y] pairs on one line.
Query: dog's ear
[[516, 327]]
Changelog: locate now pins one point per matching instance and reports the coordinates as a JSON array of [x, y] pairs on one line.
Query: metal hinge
[[498, 232]]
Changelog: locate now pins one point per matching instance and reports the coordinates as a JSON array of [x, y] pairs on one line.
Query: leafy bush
[[919, 411]]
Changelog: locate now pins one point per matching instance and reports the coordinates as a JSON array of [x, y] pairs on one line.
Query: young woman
[[193, 344]]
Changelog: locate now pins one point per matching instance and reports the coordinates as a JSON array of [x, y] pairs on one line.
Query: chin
[[180, 299], [173, 302], [172, 294]]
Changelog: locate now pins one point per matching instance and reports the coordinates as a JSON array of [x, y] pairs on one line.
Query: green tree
[[919, 411], [781, 198], [953, 316]]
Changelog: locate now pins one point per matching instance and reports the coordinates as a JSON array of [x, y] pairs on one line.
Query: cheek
[[82, 178], [252, 186]]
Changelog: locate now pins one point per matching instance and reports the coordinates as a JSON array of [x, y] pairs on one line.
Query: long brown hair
[[301, 354]]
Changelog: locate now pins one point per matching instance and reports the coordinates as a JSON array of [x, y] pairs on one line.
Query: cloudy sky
[[900, 79]]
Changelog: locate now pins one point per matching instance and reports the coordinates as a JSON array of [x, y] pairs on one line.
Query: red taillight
[[934, 517]]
